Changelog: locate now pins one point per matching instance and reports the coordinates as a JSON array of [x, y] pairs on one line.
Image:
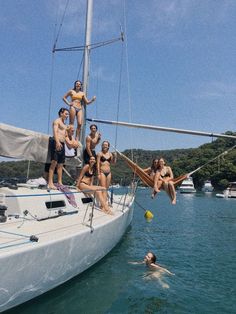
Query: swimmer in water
[[156, 270]]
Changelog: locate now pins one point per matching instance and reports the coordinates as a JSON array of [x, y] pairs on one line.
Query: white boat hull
[[187, 190], [187, 186], [66, 247]]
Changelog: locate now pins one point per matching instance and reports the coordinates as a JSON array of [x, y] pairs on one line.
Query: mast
[[87, 45]]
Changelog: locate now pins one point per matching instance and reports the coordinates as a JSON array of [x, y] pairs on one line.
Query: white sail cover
[[25, 144]]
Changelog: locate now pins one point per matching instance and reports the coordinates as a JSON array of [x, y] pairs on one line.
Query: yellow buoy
[[148, 214]]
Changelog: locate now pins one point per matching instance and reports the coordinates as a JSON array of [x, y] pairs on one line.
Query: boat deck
[[15, 233]]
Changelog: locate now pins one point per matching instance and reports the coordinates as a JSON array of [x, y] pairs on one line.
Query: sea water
[[195, 240]]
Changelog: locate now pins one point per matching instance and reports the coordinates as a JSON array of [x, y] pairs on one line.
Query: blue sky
[[179, 66]]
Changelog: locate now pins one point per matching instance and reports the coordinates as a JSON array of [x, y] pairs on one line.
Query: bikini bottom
[[106, 174], [77, 110]]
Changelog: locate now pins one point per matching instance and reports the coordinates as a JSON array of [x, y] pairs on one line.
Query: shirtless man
[[58, 147], [91, 141]]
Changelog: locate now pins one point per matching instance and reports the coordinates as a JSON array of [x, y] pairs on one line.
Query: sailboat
[[45, 238]]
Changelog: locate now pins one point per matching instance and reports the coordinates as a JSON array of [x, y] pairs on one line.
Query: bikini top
[[77, 96], [88, 174], [166, 173], [103, 159]]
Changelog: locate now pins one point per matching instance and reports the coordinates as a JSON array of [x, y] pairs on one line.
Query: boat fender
[[33, 238], [3, 218], [148, 215]]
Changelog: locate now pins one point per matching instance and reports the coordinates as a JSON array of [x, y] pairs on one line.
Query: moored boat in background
[[207, 187], [230, 192], [187, 186]]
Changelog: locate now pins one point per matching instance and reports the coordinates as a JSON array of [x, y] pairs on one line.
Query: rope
[[139, 205], [222, 154]]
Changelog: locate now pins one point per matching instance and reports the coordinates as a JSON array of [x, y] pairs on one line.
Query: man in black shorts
[[57, 147]]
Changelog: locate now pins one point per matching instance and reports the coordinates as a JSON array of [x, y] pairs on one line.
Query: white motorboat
[[230, 192], [116, 186], [47, 237], [207, 187], [187, 186]]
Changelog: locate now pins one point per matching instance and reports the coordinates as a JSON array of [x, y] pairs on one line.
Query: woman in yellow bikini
[[77, 97], [104, 160]]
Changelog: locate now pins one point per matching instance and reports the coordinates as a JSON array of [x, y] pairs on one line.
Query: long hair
[[155, 165], [75, 85]]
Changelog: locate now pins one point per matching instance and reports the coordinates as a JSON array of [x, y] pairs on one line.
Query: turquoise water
[[196, 240]]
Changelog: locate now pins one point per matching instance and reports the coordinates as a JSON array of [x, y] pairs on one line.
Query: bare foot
[[173, 201], [154, 193], [51, 187], [107, 211]]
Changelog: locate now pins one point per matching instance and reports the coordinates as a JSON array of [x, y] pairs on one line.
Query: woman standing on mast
[[77, 97]]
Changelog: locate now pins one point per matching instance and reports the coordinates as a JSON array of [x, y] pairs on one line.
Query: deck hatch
[[55, 204]]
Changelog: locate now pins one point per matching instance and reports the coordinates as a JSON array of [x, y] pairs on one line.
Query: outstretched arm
[[114, 157], [136, 263], [88, 102], [162, 269]]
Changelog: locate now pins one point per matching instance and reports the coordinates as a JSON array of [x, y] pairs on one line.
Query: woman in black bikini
[[85, 182], [165, 176], [104, 160]]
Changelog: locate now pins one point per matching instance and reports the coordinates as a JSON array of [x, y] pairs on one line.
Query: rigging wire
[[80, 67], [119, 93], [209, 161], [128, 77], [55, 37], [60, 26]]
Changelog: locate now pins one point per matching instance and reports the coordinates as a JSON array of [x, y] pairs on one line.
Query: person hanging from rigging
[[77, 97]]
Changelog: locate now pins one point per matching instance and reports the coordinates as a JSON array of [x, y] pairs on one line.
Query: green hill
[[220, 171]]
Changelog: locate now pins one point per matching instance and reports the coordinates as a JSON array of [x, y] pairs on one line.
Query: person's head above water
[[150, 258]]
